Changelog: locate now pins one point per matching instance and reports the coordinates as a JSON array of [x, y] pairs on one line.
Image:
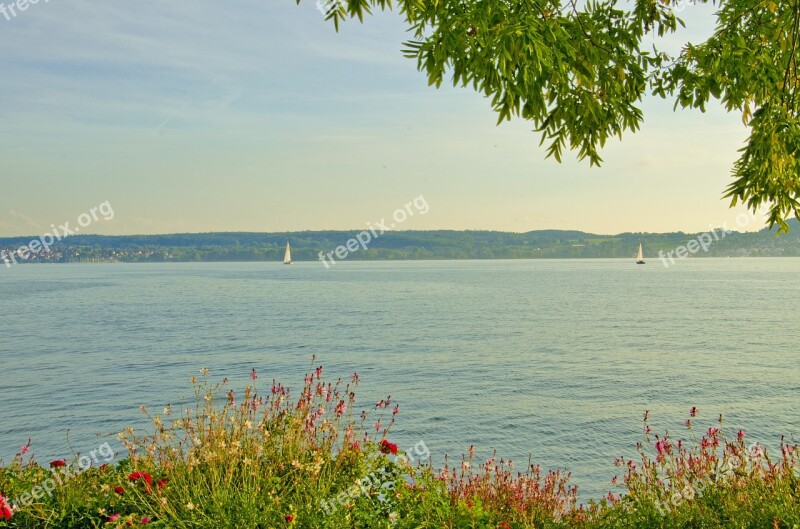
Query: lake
[[557, 359]]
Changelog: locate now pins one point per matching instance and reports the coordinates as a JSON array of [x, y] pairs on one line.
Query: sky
[[257, 116]]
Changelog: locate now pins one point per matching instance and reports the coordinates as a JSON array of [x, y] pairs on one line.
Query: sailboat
[[287, 257], [640, 255]]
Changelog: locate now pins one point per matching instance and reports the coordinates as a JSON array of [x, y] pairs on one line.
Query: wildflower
[[289, 518], [204, 371], [253, 374], [388, 448], [142, 476], [58, 463], [190, 506], [503, 525], [393, 517], [740, 435], [396, 410], [5, 511], [114, 518], [24, 449], [119, 490], [713, 431], [162, 482], [693, 411], [341, 407], [145, 520]]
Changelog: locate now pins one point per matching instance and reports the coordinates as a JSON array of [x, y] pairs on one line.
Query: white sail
[[287, 257], [640, 255]]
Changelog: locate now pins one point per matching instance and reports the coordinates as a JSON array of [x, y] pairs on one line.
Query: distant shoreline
[[398, 246]]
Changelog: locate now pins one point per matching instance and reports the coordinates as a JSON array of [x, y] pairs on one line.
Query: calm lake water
[[555, 358]]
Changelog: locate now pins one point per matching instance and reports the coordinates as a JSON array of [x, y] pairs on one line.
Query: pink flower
[[114, 518], [253, 374], [58, 463], [145, 520], [693, 411], [740, 435], [341, 407]]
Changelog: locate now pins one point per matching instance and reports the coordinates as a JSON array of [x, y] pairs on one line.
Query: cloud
[[26, 221]]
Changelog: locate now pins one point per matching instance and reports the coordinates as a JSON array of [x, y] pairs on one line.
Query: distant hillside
[[402, 245]]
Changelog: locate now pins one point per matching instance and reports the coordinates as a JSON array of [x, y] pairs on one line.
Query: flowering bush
[[311, 461]]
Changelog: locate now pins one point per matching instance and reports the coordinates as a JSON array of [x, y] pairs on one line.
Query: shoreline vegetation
[[399, 245], [266, 457]]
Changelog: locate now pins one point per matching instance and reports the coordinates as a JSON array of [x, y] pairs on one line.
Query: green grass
[[274, 460]]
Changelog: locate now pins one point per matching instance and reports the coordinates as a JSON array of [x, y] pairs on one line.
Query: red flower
[[504, 525], [253, 374], [145, 520], [136, 476], [289, 518], [161, 483], [119, 490], [5, 511], [693, 411], [142, 476], [58, 463], [113, 518], [388, 448]]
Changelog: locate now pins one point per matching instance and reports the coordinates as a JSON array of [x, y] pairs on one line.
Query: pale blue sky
[[256, 116]]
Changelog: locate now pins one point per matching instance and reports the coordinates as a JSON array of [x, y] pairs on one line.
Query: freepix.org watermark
[[43, 243], [362, 240], [676, 497], [704, 240], [326, 6], [12, 10], [62, 473], [379, 480]]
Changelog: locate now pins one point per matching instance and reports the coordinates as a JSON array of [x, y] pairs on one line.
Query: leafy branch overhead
[[579, 72]]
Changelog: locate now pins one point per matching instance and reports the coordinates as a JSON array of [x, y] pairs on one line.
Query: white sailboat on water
[[287, 256], [640, 255]]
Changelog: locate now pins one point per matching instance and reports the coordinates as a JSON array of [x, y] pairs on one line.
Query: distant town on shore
[[397, 245]]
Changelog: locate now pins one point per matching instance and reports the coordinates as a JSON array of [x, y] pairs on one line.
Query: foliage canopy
[[579, 71]]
